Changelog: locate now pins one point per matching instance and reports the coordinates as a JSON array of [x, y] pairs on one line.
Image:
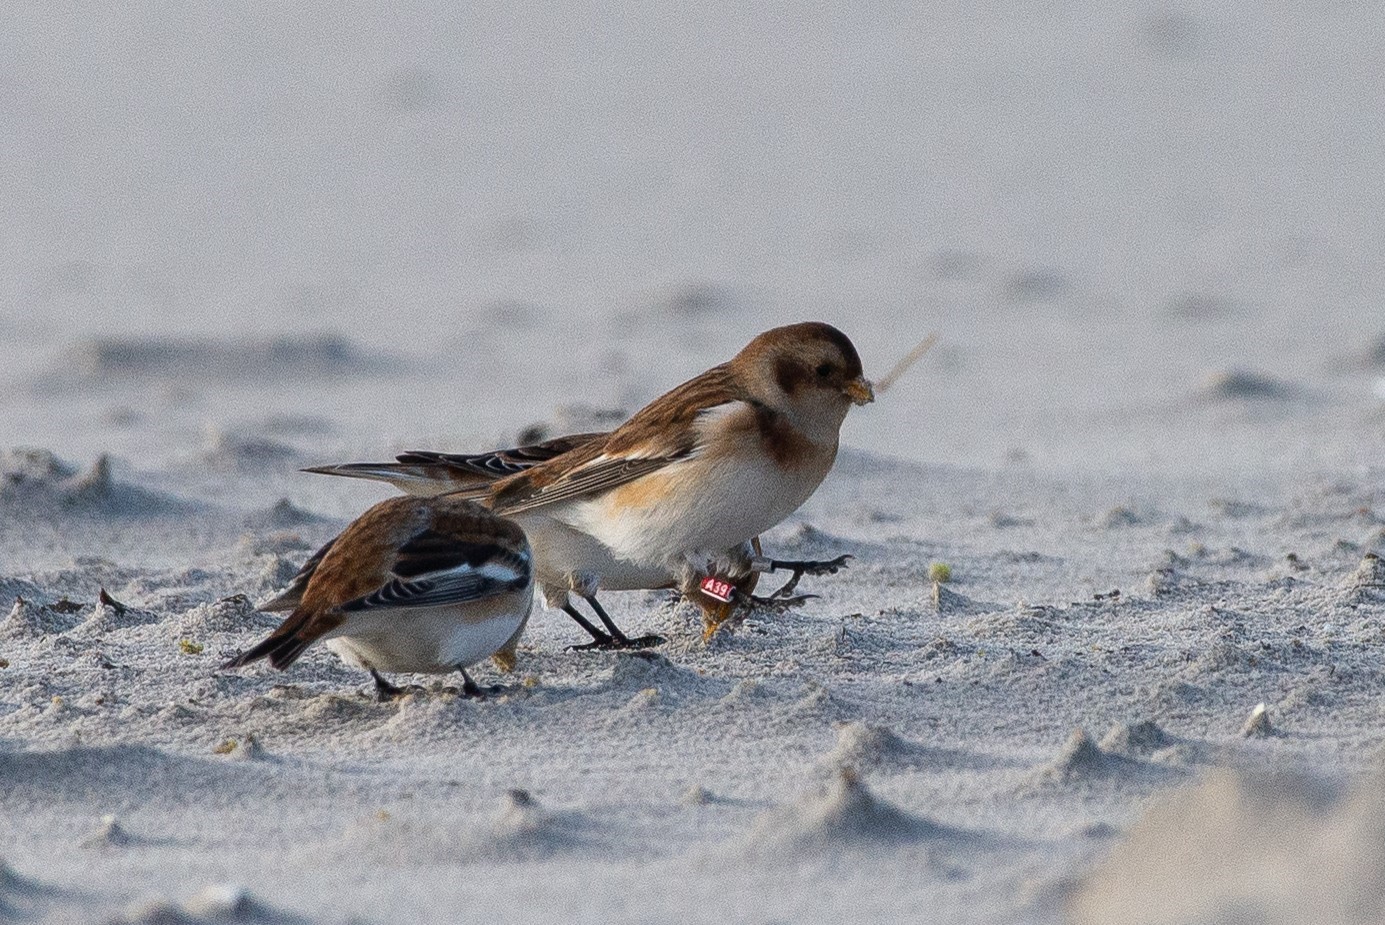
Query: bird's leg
[[810, 566], [717, 597], [743, 605], [470, 689], [799, 568], [606, 621], [599, 639], [625, 642], [614, 638], [384, 690], [717, 617]]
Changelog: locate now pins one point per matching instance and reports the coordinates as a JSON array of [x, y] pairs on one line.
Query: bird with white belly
[[415, 585]]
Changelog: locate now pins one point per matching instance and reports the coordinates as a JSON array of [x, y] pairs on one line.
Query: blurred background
[[1149, 236]]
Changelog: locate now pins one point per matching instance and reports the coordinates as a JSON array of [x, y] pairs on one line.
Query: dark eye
[[824, 370]]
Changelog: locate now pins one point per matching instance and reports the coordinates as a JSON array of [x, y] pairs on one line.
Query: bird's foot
[[811, 566], [799, 568], [714, 620], [607, 643], [473, 691], [386, 692], [741, 605]]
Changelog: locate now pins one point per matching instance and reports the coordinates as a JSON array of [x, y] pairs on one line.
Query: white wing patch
[[498, 575]]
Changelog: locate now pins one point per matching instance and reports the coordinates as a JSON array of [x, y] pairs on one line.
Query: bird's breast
[[712, 501]]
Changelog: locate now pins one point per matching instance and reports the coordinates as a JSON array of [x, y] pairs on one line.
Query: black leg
[[470, 689], [799, 568], [614, 639], [384, 690], [810, 566], [606, 621], [598, 638], [623, 641]]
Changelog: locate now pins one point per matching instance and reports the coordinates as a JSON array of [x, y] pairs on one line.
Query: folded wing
[[470, 475], [666, 431], [435, 570]]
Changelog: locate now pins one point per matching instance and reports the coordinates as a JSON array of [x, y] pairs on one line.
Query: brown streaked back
[[658, 433], [364, 558]]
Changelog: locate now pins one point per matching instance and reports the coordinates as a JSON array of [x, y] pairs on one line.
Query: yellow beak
[[859, 391]]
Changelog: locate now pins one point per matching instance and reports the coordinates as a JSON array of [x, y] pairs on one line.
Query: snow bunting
[[675, 494], [697, 472], [427, 585]]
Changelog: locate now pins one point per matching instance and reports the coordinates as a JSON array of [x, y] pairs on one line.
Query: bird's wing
[[434, 569], [498, 464], [664, 432], [469, 475]]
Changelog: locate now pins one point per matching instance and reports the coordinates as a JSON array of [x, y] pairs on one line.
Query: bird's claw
[[613, 643], [817, 567], [393, 693], [806, 567]]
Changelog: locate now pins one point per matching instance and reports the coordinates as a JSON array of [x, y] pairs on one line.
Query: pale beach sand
[[1150, 444]]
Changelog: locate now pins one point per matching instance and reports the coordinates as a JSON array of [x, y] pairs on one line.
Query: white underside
[[707, 516], [429, 640], [710, 506]]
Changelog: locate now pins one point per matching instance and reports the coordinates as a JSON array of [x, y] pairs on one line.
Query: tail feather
[[416, 479], [281, 650]]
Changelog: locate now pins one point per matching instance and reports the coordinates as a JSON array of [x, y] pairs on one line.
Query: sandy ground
[[1150, 445]]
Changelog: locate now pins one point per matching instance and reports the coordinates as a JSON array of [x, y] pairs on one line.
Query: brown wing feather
[[470, 475], [588, 480], [356, 564], [499, 463], [422, 479], [660, 433]]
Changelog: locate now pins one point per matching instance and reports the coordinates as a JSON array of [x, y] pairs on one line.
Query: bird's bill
[[859, 391]]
